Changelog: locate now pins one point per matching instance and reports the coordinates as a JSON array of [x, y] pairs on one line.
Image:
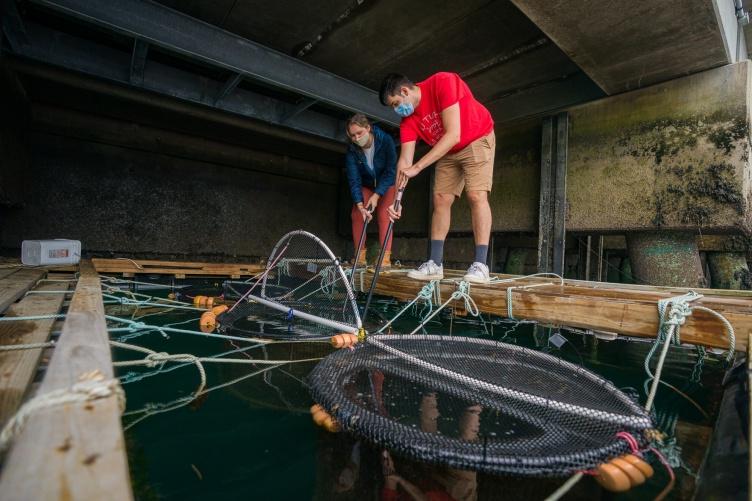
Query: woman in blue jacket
[[371, 163]]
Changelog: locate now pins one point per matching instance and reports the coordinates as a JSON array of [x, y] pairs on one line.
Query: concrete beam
[[640, 43]]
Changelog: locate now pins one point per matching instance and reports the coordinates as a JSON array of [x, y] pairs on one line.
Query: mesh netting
[[477, 404], [304, 292]]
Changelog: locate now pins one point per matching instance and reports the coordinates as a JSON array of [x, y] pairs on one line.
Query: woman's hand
[[373, 202], [367, 216]]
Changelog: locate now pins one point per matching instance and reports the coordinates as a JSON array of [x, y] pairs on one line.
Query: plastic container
[[45, 252]]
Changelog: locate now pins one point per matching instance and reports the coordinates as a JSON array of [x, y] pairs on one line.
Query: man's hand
[[404, 175], [365, 212], [394, 214], [373, 202]]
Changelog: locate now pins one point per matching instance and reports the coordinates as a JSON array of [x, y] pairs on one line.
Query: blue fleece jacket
[[384, 166]]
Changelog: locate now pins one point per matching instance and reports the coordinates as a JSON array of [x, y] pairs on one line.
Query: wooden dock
[[599, 306], [70, 451]]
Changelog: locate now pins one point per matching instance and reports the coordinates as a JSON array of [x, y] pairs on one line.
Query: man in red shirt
[[443, 113]]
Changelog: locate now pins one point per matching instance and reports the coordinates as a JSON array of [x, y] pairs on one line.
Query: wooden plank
[[74, 451], [17, 284], [183, 268], [17, 368], [590, 309]]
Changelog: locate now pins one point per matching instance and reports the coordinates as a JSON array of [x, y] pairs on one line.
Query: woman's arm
[[353, 177], [390, 170]]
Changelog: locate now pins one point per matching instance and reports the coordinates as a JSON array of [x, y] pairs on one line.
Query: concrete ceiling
[[508, 62], [624, 46]]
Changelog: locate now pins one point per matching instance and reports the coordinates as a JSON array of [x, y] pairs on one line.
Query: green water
[[255, 439]]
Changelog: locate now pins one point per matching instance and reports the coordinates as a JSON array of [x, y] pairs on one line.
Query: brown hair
[[358, 119]]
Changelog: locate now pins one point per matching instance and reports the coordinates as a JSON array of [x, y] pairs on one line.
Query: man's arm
[[450, 119], [407, 154]]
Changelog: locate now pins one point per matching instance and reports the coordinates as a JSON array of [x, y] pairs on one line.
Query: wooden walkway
[[614, 308], [73, 451]]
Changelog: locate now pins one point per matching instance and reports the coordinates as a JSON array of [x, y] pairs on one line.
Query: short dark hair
[[391, 84]]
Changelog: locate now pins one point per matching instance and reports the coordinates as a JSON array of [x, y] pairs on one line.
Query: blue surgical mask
[[404, 109]]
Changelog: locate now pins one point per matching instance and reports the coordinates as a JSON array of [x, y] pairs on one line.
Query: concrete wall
[[516, 188], [671, 156], [129, 201]]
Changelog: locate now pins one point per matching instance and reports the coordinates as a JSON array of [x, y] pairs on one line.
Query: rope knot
[[154, 359]]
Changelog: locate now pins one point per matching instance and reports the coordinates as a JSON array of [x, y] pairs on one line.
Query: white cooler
[[45, 252]]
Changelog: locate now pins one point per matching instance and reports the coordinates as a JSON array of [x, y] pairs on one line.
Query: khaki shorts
[[470, 168]]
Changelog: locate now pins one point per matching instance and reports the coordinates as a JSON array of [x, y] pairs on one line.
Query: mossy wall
[[670, 156]]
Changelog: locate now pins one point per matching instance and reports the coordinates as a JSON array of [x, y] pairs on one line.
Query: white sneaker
[[427, 271], [477, 274]]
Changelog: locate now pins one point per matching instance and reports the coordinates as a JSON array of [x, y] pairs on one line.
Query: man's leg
[[480, 211], [477, 162], [440, 222], [448, 185]]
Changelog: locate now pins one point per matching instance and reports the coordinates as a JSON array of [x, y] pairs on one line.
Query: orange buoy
[[331, 425], [320, 417], [344, 340], [640, 464], [197, 300], [208, 322], [324, 419], [612, 478], [218, 310], [635, 475], [209, 303]]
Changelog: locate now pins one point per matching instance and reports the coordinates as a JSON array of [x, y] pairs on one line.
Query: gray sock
[[481, 253], [437, 251]]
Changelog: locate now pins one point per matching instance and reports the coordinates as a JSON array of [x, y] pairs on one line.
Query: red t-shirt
[[437, 93]]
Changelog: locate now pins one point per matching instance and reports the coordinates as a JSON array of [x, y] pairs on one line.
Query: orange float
[[635, 475], [612, 478], [208, 322], [218, 310], [344, 340], [622, 473], [640, 464], [324, 419]]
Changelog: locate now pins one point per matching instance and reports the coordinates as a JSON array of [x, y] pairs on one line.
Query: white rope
[[92, 386], [509, 290], [29, 346], [426, 293], [678, 314], [565, 487], [462, 293]]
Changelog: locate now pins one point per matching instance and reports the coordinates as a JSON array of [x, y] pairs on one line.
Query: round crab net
[[303, 293], [477, 404]]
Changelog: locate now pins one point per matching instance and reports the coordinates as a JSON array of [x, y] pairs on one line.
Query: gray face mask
[[362, 141]]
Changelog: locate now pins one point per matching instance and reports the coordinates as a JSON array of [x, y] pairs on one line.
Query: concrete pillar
[[663, 258], [729, 270], [516, 259]]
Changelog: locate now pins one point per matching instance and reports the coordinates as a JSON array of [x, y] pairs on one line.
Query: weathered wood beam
[[630, 311], [141, 266], [16, 284], [18, 367], [73, 451]]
